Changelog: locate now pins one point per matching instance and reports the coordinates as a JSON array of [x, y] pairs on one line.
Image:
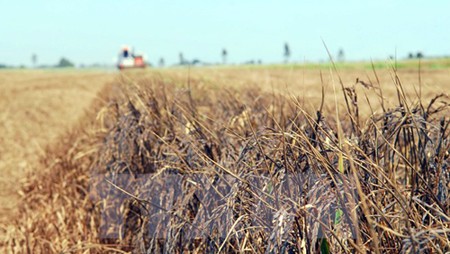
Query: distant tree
[[224, 56], [287, 52], [161, 62], [341, 55], [34, 60], [63, 63], [419, 55], [410, 55], [250, 62], [182, 61]]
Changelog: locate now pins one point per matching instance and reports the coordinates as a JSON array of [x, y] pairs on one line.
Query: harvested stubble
[[225, 170]]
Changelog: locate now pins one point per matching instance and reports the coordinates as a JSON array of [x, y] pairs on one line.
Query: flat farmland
[[306, 83], [37, 108], [389, 133]]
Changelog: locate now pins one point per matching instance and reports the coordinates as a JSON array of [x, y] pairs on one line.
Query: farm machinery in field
[[128, 59]]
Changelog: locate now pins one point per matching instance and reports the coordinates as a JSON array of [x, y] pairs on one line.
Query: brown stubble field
[[37, 108], [40, 108], [306, 84]]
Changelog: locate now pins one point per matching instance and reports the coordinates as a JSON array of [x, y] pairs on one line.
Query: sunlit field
[[305, 158]]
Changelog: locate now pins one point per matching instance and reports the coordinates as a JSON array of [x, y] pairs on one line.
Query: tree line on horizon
[[224, 56], [287, 53], [62, 63]]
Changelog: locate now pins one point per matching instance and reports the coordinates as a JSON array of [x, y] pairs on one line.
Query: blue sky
[[93, 31]]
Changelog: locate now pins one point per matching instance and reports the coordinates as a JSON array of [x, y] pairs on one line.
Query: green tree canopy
[[64, 62]]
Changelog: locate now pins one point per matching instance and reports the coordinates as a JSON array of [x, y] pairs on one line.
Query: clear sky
[[89, 31]]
